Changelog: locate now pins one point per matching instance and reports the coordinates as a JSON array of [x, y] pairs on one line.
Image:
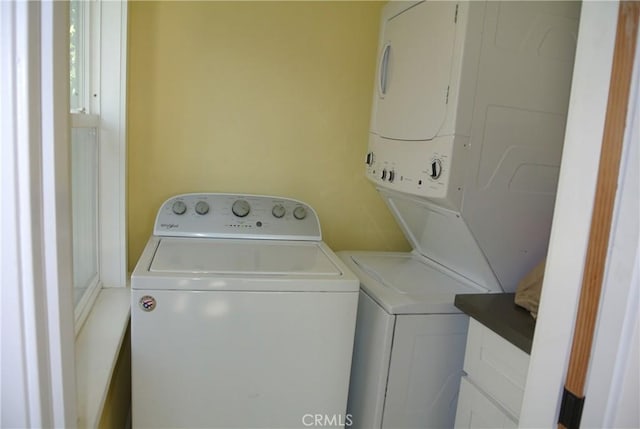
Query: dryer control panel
[[245, 216], [422, 168]]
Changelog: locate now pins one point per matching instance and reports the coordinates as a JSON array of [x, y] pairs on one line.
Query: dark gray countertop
[[499, 313]]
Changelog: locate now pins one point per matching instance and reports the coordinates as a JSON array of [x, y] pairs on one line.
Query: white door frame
[[37, 386], [604, 405]]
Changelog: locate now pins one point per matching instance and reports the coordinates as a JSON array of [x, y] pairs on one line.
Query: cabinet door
[[476, 410], [413, 71], [496, 365]]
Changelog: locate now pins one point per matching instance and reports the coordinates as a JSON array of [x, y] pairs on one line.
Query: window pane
[[84, 188], [76, 54]]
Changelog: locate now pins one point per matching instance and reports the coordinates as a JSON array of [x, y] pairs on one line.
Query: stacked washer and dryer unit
[[465, 144]]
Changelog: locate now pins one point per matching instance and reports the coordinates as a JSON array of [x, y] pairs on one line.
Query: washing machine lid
[[408, 283], [241, 257], [207, 264]]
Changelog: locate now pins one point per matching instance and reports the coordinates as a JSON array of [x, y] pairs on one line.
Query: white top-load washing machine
[[465, 143], [241, 317]]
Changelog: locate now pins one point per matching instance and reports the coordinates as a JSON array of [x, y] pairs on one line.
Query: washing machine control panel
[[218, 215]]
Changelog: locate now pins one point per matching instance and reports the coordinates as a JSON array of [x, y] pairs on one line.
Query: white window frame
[[105, 98], [47, 384]]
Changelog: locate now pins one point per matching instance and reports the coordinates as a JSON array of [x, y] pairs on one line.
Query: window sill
[[97, 348]]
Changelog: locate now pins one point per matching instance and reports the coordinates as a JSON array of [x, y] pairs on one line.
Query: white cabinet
[[491, 391]]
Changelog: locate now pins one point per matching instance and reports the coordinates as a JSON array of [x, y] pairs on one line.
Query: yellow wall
[[256, 97]]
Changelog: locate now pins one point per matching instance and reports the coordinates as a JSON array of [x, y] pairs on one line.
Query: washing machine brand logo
[[327, 420], [169, 225], [147, 303]]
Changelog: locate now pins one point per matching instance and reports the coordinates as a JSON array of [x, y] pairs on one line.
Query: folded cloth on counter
[[529, 289]]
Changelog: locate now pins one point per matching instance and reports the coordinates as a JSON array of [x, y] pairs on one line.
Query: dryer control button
[[435, 169], [369, 159], [240, 208]]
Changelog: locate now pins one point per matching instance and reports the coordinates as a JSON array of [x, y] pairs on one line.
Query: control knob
[[300, 212], [436, 169], [278, 211], [369, 160], [179, 207], [202, 207], [240, 208]]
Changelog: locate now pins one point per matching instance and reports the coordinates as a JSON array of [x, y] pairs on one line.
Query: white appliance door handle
[[384, 69]]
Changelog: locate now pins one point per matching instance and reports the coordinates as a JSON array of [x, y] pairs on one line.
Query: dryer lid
[[443, 236], [241, 257]]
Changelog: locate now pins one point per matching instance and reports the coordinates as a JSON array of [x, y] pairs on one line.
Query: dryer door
[[414, 66]]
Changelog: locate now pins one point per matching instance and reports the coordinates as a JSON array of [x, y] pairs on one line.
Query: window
[[77, 53], [97, 109], [84, 203]]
